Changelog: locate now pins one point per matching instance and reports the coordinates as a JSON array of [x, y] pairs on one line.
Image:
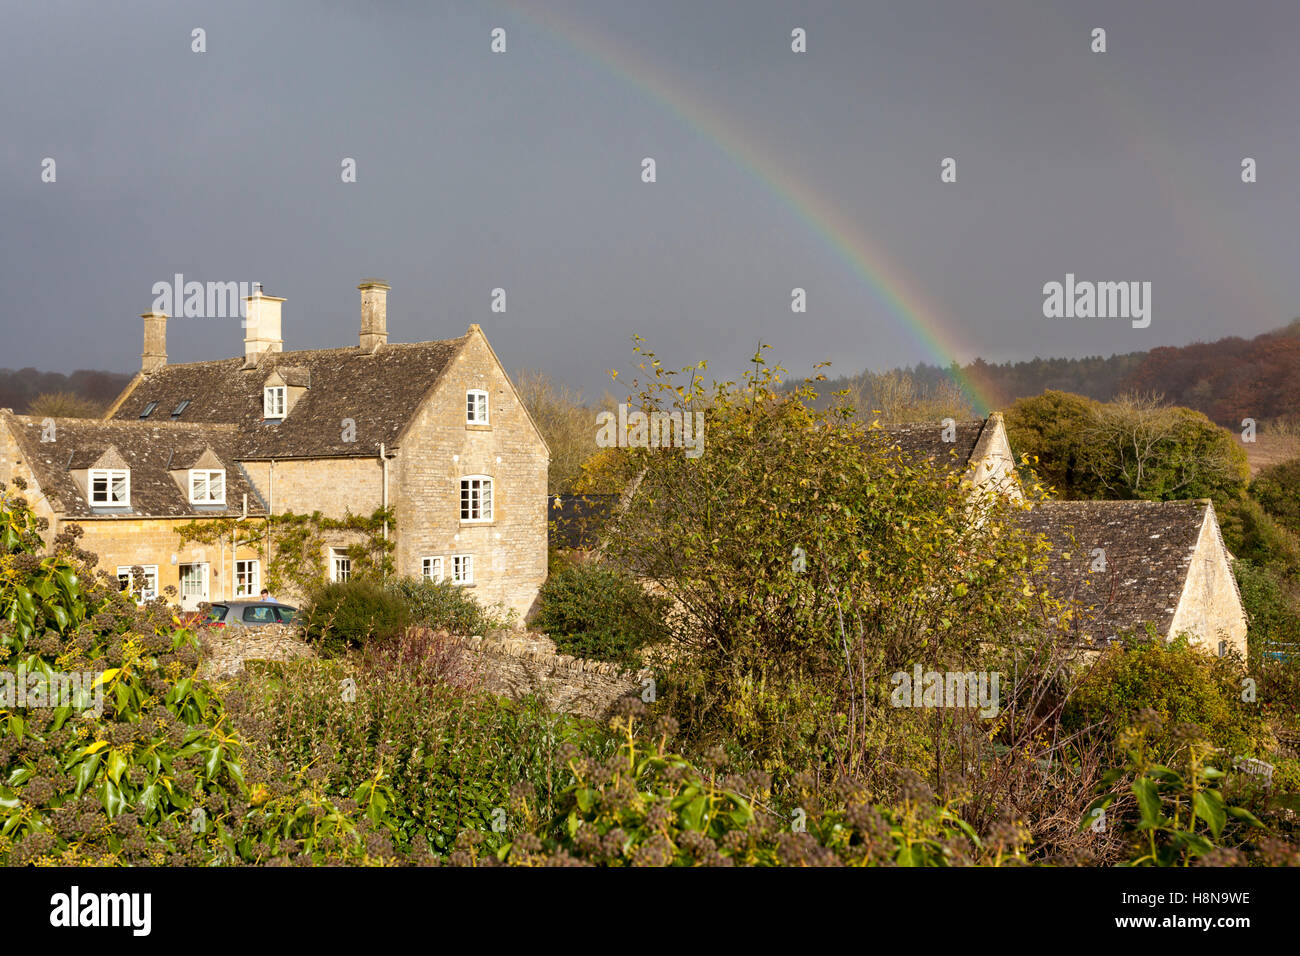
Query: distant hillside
[[1229, 379], [17, 389]]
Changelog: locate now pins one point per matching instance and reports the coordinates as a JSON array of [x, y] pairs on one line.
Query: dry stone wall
[[515, 664]]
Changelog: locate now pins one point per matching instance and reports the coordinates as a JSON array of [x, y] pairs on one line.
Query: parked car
[[249, 614]]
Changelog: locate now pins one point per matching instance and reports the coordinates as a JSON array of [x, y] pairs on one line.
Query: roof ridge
[[268, 356]]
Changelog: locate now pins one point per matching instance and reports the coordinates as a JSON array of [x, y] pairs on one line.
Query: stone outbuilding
[[1125, 564]]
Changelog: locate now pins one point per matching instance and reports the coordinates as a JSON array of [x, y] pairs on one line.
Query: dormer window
[[207, 486], [110, 487], [476, 407], [148, 409], [273, 401]]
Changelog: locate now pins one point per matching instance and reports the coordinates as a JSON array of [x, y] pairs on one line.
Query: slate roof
[[1148, 549], [925, 440], [575, 521], [151, 451], [380, 391]]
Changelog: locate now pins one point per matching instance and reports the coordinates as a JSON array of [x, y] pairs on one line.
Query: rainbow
[[865, 256]]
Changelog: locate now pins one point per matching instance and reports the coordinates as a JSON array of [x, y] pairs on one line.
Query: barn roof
[[1147, 548]]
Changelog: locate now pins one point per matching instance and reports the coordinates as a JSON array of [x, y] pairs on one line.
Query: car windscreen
[[286, 613], [259, 614], [217, 612]]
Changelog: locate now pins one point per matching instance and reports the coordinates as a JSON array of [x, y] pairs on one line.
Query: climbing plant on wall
[[296, 545]]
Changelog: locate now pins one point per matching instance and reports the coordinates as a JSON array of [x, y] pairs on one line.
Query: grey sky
[[522, 170]]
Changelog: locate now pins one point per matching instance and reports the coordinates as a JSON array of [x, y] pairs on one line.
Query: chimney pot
[[374, 314], [154, 355], [261, 324]]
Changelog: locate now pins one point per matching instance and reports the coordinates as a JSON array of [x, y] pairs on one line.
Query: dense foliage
[[442, 605], [343, 614], [137, 763], [595, 611]]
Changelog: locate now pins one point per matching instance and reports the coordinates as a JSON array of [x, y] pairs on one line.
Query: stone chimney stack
[[374, 314], [154, 355], [261, 324]]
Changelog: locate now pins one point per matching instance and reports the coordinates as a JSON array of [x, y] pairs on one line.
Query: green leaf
[[86, 773], [116, 765], [1208, 806], [1144, 788]]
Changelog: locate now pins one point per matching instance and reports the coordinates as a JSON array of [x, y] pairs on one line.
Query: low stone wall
[[511, 663], [226, 649], [515, 664]]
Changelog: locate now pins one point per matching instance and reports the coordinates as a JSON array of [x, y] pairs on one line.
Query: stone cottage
[[1124, 564], [434, 430], [1119, 564]]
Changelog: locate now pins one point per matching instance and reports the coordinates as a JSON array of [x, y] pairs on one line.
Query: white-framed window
[[476, 498], [144, 590], [273, 401], [462, 568], [194, 583], [340, 565], [476, 407], [248, 578], [110, 486], [431, 568], [207, 486]]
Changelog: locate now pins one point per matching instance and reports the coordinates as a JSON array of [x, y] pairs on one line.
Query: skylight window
[[148, 409], [176, 412]]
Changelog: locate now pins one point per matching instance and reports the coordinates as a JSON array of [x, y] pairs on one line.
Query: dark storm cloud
[[522, 171]]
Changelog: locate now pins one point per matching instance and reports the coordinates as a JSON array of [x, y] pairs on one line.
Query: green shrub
[[1181, 684], [647, 806], [1277, 489], [1172, 814], [441, 605], [346, 614], [448, 759], [1273, 615], [137, 765], [593, 611]]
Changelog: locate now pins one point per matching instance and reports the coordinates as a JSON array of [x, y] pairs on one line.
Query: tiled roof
[[151, 451], [926, 440], [1147, 546], [379, 391]]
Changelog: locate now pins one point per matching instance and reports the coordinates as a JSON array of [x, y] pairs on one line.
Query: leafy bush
[[442, 605], [138, 764], [448, 760], [647, 806], [1181, 684], [1277, 488], [1182, 811], [1273, 615], [594, 611], [345, 614]]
